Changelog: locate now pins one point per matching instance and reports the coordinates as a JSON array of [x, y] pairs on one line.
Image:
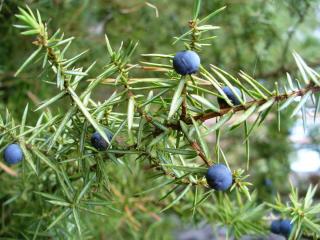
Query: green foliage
[[303, 212], [157, 160], [241, 217]]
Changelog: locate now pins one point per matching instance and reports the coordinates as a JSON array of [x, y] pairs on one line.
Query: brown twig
[[209, 115], [200, 153], [8, 170], [184, 103]]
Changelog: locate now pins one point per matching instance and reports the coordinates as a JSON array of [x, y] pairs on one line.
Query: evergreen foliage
[[116, 167]]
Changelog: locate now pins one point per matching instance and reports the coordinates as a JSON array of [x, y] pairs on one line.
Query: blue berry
[[286, 227], [13, 154], [98, 142], [275, 226], [230, 95], [186, 62], [268, 182], [219, 177]]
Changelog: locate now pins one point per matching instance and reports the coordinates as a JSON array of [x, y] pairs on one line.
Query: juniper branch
[[209, 115]]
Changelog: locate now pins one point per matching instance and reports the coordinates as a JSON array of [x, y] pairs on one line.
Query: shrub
[[161, 132]]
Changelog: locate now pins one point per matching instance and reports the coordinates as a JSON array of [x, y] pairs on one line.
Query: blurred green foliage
[[255, 36]]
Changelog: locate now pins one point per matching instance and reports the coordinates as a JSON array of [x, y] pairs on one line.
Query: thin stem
[[200, 153], [209, 115], [184, 103]]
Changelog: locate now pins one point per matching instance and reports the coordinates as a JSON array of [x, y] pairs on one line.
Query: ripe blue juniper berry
[[268, 182], [186, 62], [230, 95], [281, 227], [286, 227], [275, 227], [219, 177], [13, 154], [269, 186], [98, 142]]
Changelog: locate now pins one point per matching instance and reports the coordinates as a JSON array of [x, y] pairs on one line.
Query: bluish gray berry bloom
[[13, 154], [268, 182], [230, 95], [219, 177], [98, 142], [286, 227], [281, 227], [186, 62], [275, 226]]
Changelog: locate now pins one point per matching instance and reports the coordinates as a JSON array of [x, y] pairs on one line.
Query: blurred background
[[256, 36]]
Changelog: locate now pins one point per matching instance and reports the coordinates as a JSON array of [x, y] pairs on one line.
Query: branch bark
[[209, 115]]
